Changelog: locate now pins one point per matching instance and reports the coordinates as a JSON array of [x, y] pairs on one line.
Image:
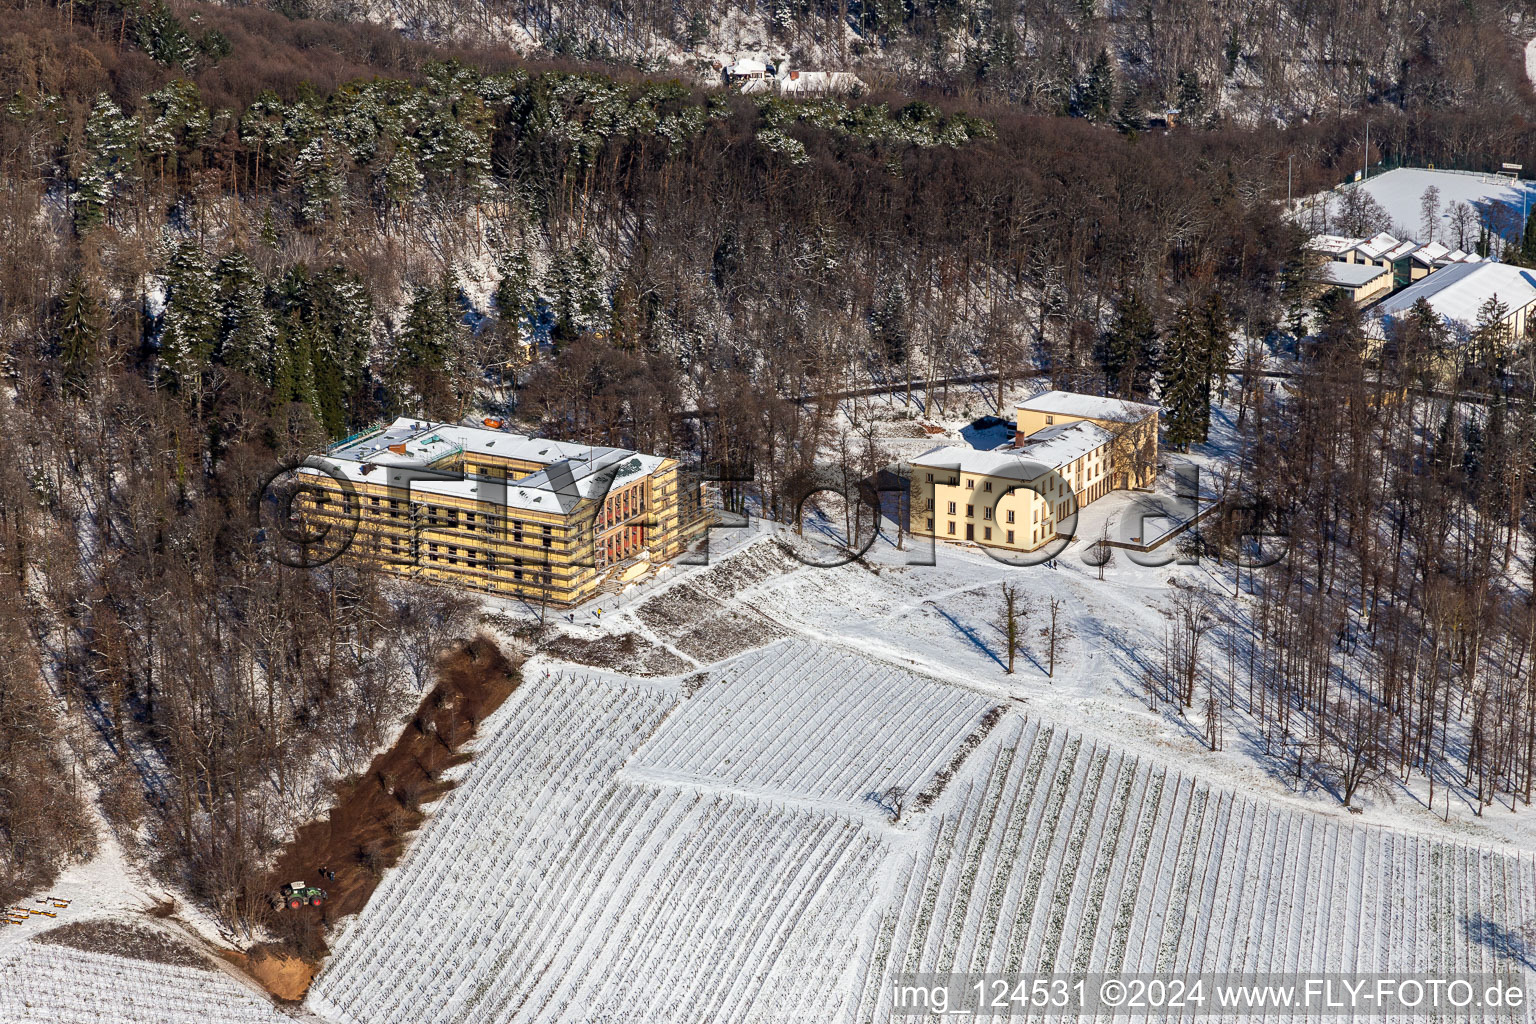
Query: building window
[[970, 484], [1010, 515], [1010, 536], [987, 486], [951, 508], [1049, 420], [930, 526], [970, 511], [986, 533], [930, 478], [986, 513], [951, 529]]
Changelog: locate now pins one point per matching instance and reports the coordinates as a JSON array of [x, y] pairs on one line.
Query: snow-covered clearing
[[1499, 202], [58, 985]]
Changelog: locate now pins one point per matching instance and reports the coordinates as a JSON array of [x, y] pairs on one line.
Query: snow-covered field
[[1500, 202], [801, 720], [58, 985]]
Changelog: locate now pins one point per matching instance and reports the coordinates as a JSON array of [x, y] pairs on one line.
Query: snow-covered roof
[[1351, 275], [1094, 407], [747, 66], [1458, 291], [1377, 246], [819, 82], [569, 474], [1051, 448], [1063, 443], [1009, 462], [1432, 253], [1332, 245], [1402, 249]]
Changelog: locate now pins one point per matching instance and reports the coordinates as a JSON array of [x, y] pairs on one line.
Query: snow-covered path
[[1530, 61]]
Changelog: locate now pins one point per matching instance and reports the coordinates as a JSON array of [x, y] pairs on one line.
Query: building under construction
[[550, 521]]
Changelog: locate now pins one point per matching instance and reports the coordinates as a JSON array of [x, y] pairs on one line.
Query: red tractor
[[295, 894]]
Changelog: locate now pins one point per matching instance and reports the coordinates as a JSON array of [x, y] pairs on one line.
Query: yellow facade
[[963, 495], [557, 555]]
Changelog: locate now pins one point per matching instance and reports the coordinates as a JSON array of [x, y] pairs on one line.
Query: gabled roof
[[1459, 291], [1431, 253], [1332, 245], [1377, 246]]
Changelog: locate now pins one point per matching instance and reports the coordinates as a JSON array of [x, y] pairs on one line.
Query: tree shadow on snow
[[1505, 943], [974, 638]]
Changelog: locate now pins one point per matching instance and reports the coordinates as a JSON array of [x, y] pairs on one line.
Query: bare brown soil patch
[[367, 828], [278, 970], [125, 940], [627, 652]]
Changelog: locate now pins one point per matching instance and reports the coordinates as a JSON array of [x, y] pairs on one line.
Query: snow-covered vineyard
[[800, 720], [1063, 854], [546, 886], [58, 985], [671, 852]]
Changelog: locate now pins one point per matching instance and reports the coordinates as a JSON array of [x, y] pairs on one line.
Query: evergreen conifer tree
[[1128, 116], [79, 322], [189, 327], [1528, 240], [247, 332], [1183, 384], [1098, 92], [1130, 348], [576, 287], [106, 163]]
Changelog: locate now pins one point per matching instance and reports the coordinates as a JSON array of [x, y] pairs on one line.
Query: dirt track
[[367, 828]]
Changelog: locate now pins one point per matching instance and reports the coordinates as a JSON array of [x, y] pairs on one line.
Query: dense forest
[[1250, 62], [229, 235]]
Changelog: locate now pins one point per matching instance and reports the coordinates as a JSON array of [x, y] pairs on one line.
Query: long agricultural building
[[1069, 450], [550, 521]]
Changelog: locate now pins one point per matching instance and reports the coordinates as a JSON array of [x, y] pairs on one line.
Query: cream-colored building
[[1069, 451], [506, 513], [1399, 262], [1458, 295], [1362, 282]]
